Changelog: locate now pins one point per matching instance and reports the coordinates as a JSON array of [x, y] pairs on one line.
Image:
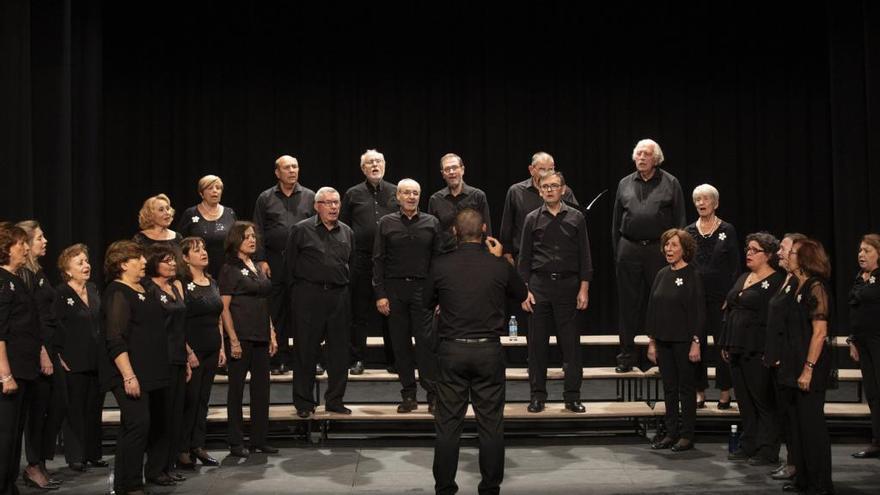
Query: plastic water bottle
[[110, 489], [512, 328], [733, 442]]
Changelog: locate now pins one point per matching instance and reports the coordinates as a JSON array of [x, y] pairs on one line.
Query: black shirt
[[677, 306], [643, 210], [250, 300], [522, 198], [780, 306], [44, 298], [864, 305], [203, 308], [134, 323], [471, 286], [19, 326], [174, 310], [403, 248], [79, 327], [193, 224], [362, 207], [811, 303], [275, 214], [146, 242], [443, 205], [318, 255], [717, 259], [555, 244], [745, 322]]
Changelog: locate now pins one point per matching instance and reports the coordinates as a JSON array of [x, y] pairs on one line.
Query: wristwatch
[[695, 340]]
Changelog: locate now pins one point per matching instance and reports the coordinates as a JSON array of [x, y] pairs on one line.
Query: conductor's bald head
[[469, 226]]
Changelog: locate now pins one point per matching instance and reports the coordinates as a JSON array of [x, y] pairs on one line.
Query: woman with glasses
[[718, 262], [743, 345]]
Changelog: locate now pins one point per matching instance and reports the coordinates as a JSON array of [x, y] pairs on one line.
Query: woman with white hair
[[718, 263], [209, 220]]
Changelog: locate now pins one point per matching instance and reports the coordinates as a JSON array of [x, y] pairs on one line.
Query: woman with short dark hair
[[675, 324], [743, 345]]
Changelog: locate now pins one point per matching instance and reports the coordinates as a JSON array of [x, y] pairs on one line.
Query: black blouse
[[864, 305], [134, 323], [717, 259], [745, 322], [19, 326], [203, 308], [811, 303], [79, 327], [174, 309], [44, 298], [779, 307], [250, 300], [677, 306], [213, 232]]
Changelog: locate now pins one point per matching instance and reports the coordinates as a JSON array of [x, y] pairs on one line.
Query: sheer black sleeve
[[117, 315], [819, 303]]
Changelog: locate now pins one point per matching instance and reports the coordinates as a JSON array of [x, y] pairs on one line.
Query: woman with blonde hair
[[209, 220]]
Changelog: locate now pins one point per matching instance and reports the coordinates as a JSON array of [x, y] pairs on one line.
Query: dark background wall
[[104, 104]]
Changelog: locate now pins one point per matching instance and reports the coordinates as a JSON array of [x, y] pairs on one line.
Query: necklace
[[715, 224]]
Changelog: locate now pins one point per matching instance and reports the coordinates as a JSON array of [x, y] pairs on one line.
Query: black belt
[[556, 275], [647, 242], [475, 341], [324, 285]]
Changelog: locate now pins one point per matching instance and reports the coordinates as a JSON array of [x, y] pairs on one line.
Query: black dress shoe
[[304, 413], [623, 368], [663, 444], [99, 463], [682, 445], [431, 407], [868, 453], [723, 405], [78, 466], [575, 406], [162, 480], [319, 370], [535, 406], [204, 457], [701, 404], [408, 405], [264, 449], [177, 477], [786, 473], [276, 370], [391, 369], [239, 451], [357, 368], [738, 455], [339, 409], [792, 488]]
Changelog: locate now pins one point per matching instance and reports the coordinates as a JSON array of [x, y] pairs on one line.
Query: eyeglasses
[[751, 250], [169, 261], [450, 169], [408, 193], [328, 202], [550, 187], [371, 161]]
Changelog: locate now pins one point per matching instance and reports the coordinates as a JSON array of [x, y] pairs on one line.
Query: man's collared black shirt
[[403, 248], [318, 255], [644, 209], [443, 205], [275, 214], [555, 244], [522, 198], [362, 207], [471, 286]]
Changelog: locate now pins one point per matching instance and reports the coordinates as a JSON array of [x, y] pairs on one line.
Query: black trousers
[[82, 430], [254, 359], [409, 319], [195, 404], [142, 425], [811, 455], [163, 449], [474, 371], [678, 374], [322, 314], [869, 361], [281, 317], [13, 414], [48, 408], [723, 381], [365, 318], [637, 265], [555, 309], [757, 406], [782, 417]]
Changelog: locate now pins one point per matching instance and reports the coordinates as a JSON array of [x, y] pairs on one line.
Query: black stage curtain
[[105, 103]]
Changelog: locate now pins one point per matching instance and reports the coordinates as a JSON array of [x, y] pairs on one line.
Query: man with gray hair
[[315, 279], [362, 207], [405, 243], [649, 201]]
